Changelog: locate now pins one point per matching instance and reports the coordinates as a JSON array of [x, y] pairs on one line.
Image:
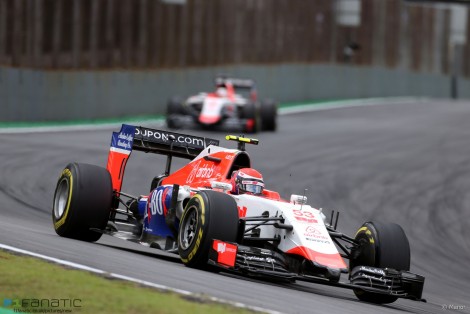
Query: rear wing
[[236, 82], [170, 143], [149, 140]]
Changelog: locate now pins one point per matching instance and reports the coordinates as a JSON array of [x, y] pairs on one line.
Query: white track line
[[282, 111], [135, 280], [350, 103]]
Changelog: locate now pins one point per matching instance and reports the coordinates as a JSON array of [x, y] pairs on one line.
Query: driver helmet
[[247, 180], [221, 91]]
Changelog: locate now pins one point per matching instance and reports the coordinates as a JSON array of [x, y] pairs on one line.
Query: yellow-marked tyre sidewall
[[382, 245], [67, 176], [366, 235], [64, 225], [88, 204], [217, 219], [192, 254]]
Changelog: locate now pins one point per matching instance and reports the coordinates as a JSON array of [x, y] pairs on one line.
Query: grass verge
[[29, 281], [129, 119]]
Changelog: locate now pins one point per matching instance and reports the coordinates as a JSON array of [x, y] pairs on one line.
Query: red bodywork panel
[[116, 166], [200, 172], [226, 253]]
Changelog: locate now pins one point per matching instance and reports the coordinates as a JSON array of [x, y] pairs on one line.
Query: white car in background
[[233, 106]]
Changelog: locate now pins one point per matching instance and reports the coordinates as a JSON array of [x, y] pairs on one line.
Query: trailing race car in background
[[196, 212], [233, 106]]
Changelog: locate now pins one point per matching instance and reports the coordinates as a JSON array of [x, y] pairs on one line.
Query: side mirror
[[298, 199], [221, 185]]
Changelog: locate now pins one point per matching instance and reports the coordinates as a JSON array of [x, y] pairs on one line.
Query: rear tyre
[[380, 245], [82, 200], [268, 113], [208, 215], [250, 113]]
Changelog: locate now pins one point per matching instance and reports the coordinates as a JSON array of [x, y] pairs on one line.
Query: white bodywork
[[199, 98], [212, 108], [309, 236]]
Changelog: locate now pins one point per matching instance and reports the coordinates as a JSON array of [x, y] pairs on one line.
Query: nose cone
[[208, 119]]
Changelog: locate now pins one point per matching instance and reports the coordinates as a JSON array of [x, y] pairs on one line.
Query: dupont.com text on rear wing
[[149, 140]]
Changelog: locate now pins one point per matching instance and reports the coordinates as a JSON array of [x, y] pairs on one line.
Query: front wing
[[265, 263]]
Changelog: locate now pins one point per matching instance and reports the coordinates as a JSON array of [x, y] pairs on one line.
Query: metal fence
[[140, 34]]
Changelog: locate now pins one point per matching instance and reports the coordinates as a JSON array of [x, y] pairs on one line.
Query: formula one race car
[[215, 213], [233, 106]]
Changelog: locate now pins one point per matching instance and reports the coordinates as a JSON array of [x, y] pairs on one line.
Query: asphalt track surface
[[407, 163]]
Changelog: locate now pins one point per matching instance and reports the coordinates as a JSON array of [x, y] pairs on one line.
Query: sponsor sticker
[[122, 141], [318, 240], [165, 137], [242, 211], [312, 232], [306, 220], [226, 252], [201, 171]]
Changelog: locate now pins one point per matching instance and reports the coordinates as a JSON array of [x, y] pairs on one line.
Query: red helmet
[[247, 180]]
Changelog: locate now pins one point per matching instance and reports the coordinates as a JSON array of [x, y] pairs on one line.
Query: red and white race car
[[232, 106], [216, 213]]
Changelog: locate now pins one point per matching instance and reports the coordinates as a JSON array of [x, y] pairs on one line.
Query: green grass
[[129, 119], [29, 278]]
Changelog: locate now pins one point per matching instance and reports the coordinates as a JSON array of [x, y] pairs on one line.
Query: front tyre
[[208, 215], [382, 245], [82, 200]]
